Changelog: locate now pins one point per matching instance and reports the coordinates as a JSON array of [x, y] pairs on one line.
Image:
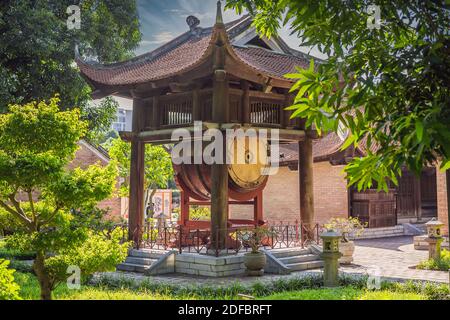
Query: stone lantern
[[331, 256], [434, 238]]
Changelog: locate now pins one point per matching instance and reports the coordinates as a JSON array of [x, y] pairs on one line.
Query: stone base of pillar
[[331, 269]]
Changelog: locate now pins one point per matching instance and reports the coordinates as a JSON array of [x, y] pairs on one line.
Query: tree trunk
[[43, 278], [148, 200]]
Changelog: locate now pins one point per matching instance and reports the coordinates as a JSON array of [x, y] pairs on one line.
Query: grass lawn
[[345, 293], [30, 291]]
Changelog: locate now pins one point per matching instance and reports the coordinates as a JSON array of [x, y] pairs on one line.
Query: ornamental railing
[[237, 239]]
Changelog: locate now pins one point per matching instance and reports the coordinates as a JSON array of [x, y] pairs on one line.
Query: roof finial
[[219, 19]]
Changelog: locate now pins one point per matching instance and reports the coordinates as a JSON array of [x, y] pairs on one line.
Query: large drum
[[248, 162]]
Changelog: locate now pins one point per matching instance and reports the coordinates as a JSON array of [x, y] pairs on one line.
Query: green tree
[[387, 83], [37, 48], [100, 118], [52, 204], [158, 167]]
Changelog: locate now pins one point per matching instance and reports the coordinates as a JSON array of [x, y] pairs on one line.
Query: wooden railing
[[264, 112]]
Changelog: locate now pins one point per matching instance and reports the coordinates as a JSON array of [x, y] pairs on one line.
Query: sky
[[163, 20]]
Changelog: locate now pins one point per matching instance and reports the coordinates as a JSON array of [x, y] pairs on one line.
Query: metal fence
[[237, 239]]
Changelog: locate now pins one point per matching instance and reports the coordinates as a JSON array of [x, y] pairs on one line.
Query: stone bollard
[[434, 239], [331, 256]]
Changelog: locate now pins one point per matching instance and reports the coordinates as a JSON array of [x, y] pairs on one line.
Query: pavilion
[[225, 77]]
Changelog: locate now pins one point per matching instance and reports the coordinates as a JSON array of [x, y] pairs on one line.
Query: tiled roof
[[183, 53], [322, 149], [274, 63]]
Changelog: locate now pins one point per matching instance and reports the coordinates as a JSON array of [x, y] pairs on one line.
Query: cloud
[[159, 38]]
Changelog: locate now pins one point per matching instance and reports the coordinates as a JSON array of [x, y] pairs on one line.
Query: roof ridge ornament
[[219, 18], [193, 22]]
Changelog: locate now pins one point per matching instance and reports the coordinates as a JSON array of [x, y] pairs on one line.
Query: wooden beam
[[166, 134]]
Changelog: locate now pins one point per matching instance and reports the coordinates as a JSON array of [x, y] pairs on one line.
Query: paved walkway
[[394, 258], [391, 258]]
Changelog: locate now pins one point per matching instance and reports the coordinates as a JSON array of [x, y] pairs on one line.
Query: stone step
[[283, 253], [148, 254], [298, 259], [139, 260], [305, 265], [131, 267]]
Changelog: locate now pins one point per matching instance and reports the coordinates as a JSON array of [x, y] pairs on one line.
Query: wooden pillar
[[136, 205], [417, 198], [245, 101], [156, 114], [219, 172], [305, 169], [196, 111], [184, 208], [286, 114], [258, 208]]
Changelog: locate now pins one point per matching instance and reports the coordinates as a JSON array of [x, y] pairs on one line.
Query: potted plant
[[346, 226], [255, 260]]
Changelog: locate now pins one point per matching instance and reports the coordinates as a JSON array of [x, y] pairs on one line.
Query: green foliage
[[8, 224], [346, 293], [37, 48], [431, 264], [9, 253], [96, 254], [158, 166], [9, 290], [52, 204], [201, 213], [387, 86], [431, 290], [302, 287], [100, 118], [345, 226]]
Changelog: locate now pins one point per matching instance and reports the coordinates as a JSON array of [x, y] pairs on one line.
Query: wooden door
[[406, 204], [375, 209]]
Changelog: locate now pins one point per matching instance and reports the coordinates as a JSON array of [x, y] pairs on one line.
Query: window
[[119, 124]]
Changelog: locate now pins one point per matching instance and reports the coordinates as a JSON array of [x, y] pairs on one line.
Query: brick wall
[[281, 197], [442, 198]]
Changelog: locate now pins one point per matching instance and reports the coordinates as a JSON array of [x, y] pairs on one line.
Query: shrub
[[9, 290], [432, 264], [96, 254], [346, 226], [9, 253]]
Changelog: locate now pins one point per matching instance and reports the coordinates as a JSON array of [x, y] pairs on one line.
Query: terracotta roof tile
[[322, 149], [273, 63], [184, 52]]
